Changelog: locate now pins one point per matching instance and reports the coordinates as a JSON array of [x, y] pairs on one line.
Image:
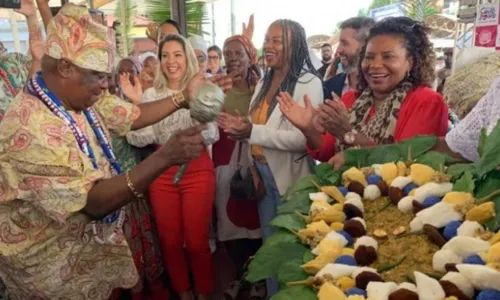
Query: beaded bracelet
[[131, 187]]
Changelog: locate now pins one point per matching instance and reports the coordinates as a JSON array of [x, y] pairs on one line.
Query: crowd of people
[[90, 144]]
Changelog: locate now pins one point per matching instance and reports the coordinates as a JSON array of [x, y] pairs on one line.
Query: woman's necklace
[[37, 87]]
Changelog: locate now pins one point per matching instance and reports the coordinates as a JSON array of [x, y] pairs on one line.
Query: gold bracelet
[[180, 99], [175, 101], [131, 187]]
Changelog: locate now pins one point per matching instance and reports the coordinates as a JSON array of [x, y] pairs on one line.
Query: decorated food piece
[[401, 223]]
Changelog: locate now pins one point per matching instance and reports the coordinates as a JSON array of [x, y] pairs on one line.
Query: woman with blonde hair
[[182, 211]]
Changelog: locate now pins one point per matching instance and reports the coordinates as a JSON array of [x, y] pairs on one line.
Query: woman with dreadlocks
[[277, 147], [394, 100]]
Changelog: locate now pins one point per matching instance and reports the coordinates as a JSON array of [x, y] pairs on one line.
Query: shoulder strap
[[238, 162]]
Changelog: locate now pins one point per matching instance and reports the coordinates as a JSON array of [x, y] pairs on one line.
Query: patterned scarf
[[380, 128]]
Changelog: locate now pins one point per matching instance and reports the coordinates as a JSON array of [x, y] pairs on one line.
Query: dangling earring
[[408, 75]]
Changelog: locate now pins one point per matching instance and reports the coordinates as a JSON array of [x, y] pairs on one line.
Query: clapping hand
[[131, 90], [236, 127], [300, 117], [334, 118]]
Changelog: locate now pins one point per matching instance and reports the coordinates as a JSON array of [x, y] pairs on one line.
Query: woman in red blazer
[[394, 100]]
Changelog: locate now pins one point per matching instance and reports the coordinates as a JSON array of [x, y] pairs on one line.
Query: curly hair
[[417, 44]]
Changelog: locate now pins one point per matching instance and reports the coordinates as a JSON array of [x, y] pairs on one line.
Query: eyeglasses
[[210, 57]]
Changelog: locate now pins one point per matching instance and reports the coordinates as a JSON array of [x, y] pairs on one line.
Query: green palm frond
[[196, 14], [125, 14], [419, 10]]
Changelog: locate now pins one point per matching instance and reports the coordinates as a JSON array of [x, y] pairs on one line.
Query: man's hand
[[28, 8], [184, 145]]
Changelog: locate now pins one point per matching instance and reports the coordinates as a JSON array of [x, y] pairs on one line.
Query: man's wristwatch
[[350, 137]]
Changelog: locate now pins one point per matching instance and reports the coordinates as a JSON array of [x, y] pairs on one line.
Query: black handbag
[[249, 187]]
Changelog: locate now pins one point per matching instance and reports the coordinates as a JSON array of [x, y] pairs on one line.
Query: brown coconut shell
[[352, 211], [450, 289], [364, 278], [354, 228], [356, 187], [365, 255], [403, 294], [417, 207], [384, 188], [395, 195], [434, 235]]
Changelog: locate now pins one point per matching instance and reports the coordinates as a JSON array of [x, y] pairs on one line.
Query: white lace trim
[[464, 138], [161, 132]]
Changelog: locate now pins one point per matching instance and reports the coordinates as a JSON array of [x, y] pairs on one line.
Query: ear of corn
[[421, 174], [337, 226], [459, 198], [493, 255], [481, 213], [402, 169], [345, 283], [328, 291], [348, 251], [328, 251], [354, 174], [389, 172], [495, 239], [314, 229], [334, 193], [331, 215]]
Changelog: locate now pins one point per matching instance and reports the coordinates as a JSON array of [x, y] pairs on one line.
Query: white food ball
[[470, 228], [440, 215], [461, 282], [380, 290], [405, 205], [408, 286], [332, 235], [443, 257], [377, 169], [336, 271], [320, 196], [372, 192], [416, 224], [356, 202], [428, 288], [466, 246], [360, 220], [401, 181], [432, 189], [366, 241], [481, 277]]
